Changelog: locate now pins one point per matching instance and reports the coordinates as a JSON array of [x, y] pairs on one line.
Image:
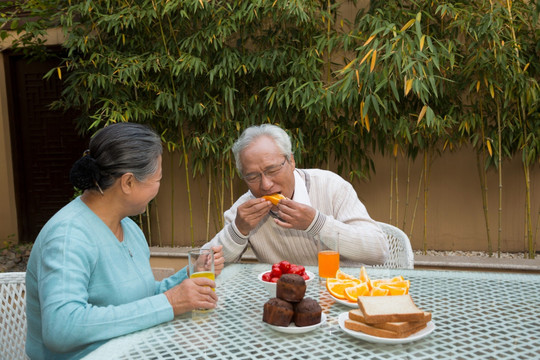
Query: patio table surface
[[477, 315]]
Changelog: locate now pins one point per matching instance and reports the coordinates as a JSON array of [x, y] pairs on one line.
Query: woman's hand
[[192, 294], [219, 260]]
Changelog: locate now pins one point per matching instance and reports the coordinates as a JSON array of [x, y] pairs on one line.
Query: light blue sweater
[[84, 287]]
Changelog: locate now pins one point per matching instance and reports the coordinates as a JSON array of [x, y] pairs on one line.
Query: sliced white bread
[[383, 309], [398, 327], [374, 331]]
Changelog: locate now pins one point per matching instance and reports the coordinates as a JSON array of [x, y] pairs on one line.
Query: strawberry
[[266, 276], [285, 266]]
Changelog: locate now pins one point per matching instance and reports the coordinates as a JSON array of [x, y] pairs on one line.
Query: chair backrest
[[401, 254], [12, 315]]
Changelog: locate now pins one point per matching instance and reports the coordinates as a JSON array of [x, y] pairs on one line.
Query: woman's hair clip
[[86, 152]]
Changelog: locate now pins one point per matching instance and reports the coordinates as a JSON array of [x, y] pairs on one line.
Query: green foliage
[[416, 77]]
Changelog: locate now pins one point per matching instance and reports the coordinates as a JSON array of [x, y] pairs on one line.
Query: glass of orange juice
[[328, 256], [201, 263]]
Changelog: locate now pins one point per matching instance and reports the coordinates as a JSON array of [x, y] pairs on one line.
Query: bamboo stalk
[[499, 161], [424, 242], [172, 200], [417, 201], [484, 191], [208, 206], [396, 178], [188, 188], [148, 227], [407, 192], [391, 192], [158, 223], [528, 220]]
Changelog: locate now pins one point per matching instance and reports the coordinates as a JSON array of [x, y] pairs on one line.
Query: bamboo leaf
[[422, 40], [365, 57], [408, 86], [490, 150], [59, 71], [369, 40], [408, 25], [422, 113], [373, 61]]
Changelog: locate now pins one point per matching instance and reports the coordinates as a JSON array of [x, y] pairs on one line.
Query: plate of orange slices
[[346, 288]]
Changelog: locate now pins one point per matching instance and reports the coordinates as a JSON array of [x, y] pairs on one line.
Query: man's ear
[[292, 162], [127, 182]]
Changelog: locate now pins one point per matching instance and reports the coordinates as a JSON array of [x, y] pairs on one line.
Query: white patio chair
[[401, 255], [12, 315]]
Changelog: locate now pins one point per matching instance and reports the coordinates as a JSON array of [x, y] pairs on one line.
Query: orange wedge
[[342, 276], [363, 275], [274, 198], [395, 290], [377, 291], [352, 293], [337, 287]]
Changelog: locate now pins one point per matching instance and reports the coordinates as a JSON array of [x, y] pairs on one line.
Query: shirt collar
[[300, 191]]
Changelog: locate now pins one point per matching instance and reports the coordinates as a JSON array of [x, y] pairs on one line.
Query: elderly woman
[[89, 277]]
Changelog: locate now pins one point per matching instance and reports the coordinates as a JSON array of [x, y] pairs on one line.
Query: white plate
[[379, 340], [344, 302], [293, 329]]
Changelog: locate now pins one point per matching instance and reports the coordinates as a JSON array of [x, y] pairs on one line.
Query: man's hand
[[294, 215], [250, 213], [219, 260]]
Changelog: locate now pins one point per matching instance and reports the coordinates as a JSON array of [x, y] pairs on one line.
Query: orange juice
[[328, 263], [207, 274]]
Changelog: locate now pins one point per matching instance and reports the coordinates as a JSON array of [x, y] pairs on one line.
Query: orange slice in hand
[[337, 287], [352, 293], [274, 198]]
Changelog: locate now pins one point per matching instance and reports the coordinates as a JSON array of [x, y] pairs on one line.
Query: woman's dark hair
[[115, 150]]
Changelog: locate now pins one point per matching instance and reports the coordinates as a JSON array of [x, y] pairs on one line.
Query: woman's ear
[[127, 182]]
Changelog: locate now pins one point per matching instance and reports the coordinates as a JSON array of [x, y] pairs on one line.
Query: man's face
[[266, 170]]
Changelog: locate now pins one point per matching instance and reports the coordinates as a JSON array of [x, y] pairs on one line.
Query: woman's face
[[146, 190]]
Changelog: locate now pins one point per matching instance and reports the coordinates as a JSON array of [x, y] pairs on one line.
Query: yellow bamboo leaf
[[422, 41], [357, 77], [445, 145], [490, 150], [408, 86], [492, 91], [422, 113], [367, 123], [526, 66], [348, 65], [341, 23], [478, 86], [373, 60], [59, 71], [408, 24], [365, 57], [201, 2], [369, 40], [395, 149], [123, 39], [245, 68]]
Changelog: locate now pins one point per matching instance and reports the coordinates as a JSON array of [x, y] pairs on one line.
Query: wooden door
[[45, 144]]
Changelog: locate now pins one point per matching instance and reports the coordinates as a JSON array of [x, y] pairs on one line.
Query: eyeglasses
[[269, 173]]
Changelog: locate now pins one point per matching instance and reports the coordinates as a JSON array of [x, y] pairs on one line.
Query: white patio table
[[477, 315]]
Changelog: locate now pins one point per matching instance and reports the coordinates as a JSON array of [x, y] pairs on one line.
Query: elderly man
[[317, 203]]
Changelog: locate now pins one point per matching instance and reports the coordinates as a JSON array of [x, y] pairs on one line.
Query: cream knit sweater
[[339, 213]]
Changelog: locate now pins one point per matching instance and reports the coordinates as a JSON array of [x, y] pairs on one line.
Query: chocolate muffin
[[307, 312], [278, 312], [291, 287]]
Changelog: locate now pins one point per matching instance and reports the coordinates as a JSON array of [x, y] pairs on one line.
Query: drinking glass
[[328, 256], [201, 263]]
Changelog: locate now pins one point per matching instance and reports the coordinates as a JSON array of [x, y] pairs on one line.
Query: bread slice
[[382, 309], [374, 331], [398, 327]]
